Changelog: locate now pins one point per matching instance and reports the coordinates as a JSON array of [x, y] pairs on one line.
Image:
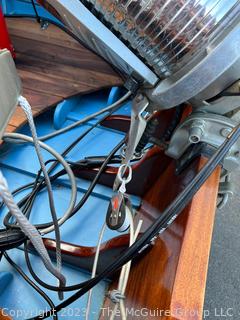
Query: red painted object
[[5, 42]]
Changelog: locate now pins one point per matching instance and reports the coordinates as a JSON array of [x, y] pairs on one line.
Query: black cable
[[195, 185], [32, 284], [174, 123], [66, 30], [9, 238], [74, 143], [57, 24], [20, 189], [74, 165], [86, 163], [36, 12], [230, 94], [30, 196], [44, 284], [96, 178], [39, 186], [150, 129], [81, 203], [167, 217]]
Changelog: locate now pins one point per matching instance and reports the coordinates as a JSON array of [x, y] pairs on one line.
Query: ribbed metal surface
[[167, 33]]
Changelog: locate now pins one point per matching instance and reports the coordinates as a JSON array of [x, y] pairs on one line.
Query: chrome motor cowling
[[176, 50], [167, 33]]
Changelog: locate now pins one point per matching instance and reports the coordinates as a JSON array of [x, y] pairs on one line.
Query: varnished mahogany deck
[[53, 66], [169, 282]]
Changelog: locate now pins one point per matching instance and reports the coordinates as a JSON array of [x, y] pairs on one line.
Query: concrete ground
[[222, 300]]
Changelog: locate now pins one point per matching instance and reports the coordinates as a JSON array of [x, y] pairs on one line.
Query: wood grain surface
[[53, 66], [169, 281], [3, 315]]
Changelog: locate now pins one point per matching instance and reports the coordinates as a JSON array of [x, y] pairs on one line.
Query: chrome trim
[[217, 70]]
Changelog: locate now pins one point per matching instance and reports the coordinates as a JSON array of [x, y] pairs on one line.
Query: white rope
[[119, 294], [28, 112], [94, 269], [28, 229], [13, 137], [116, 296]]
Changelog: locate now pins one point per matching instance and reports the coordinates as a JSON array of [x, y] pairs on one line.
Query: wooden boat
[[64, 81]]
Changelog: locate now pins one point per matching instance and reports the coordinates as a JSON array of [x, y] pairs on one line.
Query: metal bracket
[[205, 127], [225, 192], [137, 128], [226, 188], [193, 152]]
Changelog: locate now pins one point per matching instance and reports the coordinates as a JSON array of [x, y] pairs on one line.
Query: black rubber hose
[[35, 10], [32, 284], [174, 123], [81, 203], [39, 186]]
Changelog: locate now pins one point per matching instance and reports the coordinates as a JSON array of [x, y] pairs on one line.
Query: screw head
[[225, 132], [195, 135]]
